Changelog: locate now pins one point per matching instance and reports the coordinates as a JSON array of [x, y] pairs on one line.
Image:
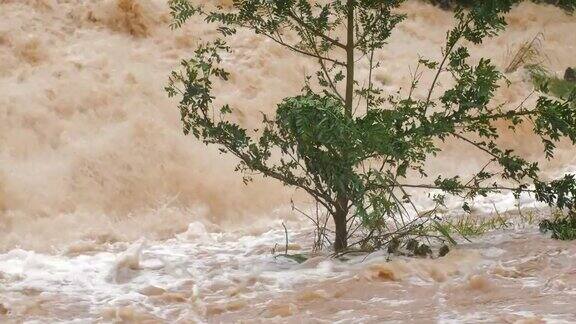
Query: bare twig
[[286, 233]]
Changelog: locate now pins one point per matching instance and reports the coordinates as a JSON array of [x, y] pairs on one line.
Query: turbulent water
[[96, 178]]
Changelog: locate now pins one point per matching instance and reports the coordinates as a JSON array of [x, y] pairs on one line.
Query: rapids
[[109, 214]]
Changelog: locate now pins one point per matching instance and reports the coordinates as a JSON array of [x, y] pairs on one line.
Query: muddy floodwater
[[109, 214], [515, 276]]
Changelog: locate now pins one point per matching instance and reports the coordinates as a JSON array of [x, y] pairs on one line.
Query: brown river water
[[109, 214]]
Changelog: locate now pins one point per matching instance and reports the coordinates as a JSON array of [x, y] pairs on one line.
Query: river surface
[[514, 276]]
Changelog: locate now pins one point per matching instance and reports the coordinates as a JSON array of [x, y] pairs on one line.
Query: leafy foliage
[[562, 227], [568, 5], [547, 82], [356, 162]]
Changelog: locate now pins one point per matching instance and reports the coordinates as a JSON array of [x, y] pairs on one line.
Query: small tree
[[352, 147]]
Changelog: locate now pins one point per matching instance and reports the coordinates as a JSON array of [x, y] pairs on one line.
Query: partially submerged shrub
[[531, 57], [353, 148], [570, 75], [529, 53], [473, 225], [562, 227], [547, 82], [568, 5]]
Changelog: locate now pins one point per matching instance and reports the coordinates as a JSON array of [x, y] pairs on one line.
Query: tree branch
[[315, 31], [295, 49]]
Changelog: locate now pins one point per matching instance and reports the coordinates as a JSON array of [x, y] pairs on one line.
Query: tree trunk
[[350, 60], [341, 207], [340, 220]]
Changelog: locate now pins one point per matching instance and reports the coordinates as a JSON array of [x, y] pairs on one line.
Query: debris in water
[[443, 250], [570, 75]]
